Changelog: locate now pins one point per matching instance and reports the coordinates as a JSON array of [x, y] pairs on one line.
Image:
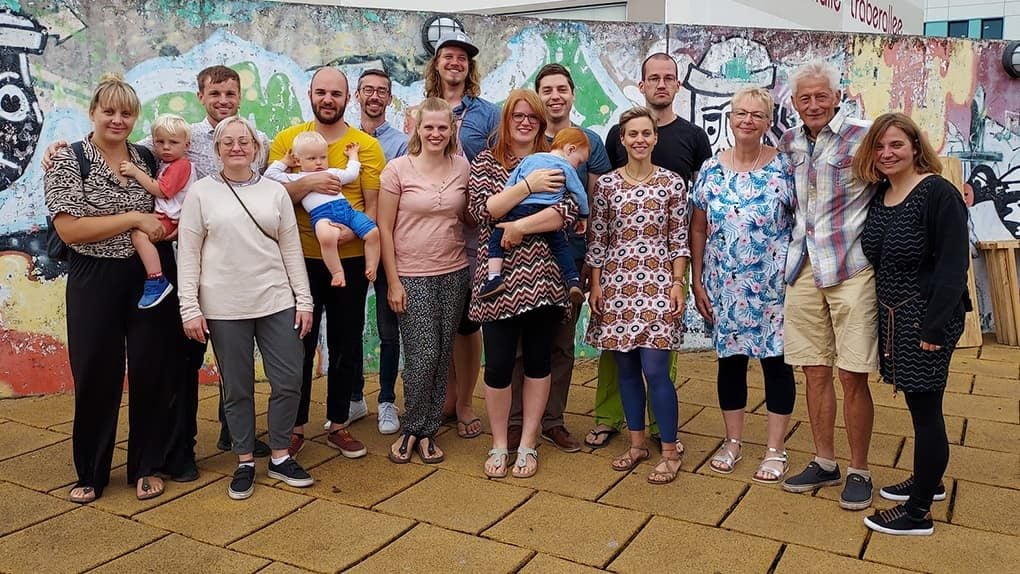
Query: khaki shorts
[[832, 326]]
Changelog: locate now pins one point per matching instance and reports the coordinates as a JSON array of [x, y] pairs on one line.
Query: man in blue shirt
[[555, 87]]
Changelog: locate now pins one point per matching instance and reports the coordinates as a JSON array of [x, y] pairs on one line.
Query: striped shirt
[[831, 205]]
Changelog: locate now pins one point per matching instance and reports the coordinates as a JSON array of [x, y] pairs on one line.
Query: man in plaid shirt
[[831, 314]]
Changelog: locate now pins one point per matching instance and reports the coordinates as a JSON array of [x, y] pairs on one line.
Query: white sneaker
[[389, 423], [358, 410]]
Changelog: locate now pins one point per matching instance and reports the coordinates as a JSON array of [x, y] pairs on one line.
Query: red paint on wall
[[33, 363]]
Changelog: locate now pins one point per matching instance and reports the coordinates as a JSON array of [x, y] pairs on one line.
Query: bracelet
[[680, 282], [528, 185]]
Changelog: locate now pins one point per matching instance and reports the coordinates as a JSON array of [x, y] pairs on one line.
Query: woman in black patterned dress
[[916, 239]]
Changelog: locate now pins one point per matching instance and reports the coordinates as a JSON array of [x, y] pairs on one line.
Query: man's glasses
[[370, 91]]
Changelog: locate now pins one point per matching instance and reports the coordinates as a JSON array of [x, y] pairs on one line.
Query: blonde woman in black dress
[[916, 239]]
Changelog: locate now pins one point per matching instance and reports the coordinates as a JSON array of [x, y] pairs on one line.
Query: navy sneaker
[[856, 492], [574, 291], [154, 292], [900, 492], [291, 472], [812, 478], [898, 522], [492, 287], [243, 483]]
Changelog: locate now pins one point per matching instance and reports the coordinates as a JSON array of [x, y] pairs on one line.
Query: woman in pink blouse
[[421, 215]]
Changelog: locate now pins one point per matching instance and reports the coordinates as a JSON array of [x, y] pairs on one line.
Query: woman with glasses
[[740, 231], [527, 313], [243, 280]]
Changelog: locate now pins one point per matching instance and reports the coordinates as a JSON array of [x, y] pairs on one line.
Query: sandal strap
[[499, 452]]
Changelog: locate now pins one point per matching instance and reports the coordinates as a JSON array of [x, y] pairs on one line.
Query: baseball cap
[[459, 39]]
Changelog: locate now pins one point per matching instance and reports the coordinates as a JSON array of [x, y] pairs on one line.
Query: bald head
[[328, 95]]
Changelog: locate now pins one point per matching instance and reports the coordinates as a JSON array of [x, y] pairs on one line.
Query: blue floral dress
[[750, 216]]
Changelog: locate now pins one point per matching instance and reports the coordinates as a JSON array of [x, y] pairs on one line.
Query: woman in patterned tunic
[[95, 218], [529, 311], [740, 230], [916, 239], [638, 255]]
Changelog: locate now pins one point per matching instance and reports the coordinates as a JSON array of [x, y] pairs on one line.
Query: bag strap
[[84, 165], [147, 156], [245, 207]]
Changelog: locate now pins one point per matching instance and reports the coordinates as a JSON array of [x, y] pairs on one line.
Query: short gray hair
[[222, 127], [815, 69]]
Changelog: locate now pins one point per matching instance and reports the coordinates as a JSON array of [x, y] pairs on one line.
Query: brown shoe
[[560, 436], [513, 437], [348, 446], [297, 442]]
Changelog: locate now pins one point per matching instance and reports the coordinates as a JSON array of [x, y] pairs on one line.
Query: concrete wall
[[955, 89]]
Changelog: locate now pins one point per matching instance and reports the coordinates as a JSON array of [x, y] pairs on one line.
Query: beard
[[321, 115]]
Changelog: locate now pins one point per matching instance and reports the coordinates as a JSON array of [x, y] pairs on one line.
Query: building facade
[[975, 19]]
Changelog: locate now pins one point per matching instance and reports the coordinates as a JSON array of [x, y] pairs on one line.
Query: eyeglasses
[[230, 142], [742, 115], [371, 91], [519, 117]]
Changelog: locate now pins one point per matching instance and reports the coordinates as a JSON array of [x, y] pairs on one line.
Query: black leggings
[[780, 390], [931, 448], [534, 331]]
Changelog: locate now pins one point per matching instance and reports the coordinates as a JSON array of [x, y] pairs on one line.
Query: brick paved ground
[[576, 515]]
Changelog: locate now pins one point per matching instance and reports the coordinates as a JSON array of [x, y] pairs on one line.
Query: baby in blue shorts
[[311, 154]]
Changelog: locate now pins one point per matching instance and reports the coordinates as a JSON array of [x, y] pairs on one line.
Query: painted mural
[[51, 54]]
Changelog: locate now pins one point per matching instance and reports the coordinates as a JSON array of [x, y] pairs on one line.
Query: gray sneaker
[[812, 478], [856, 492]]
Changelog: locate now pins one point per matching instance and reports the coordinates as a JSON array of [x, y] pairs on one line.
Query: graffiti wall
[[52, 53]]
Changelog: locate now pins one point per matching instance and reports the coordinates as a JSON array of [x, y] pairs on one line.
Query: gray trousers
[[282, 356], [434, 307]]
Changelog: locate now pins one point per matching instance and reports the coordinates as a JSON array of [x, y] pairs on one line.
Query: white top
[[171, 206], [277, 171], [227, 268]]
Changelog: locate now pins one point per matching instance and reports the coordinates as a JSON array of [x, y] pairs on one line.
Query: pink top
[[428, 235]]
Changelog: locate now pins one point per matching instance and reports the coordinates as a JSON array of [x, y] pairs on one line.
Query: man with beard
[[374, 96], [682, 148], [344, 306]]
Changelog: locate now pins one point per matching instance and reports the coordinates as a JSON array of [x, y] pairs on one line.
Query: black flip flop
[[605, 434], [148, 492]]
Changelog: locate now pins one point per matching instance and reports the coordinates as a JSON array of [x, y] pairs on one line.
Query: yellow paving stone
[[704, 393], [987, 507], [122, 426], [545, 564], [971, 352], [580, 400], [39, 412], [281, 568], [884, 448], [314, 454], [951, 549], [476, 504], [991, 435], [974, 464], [124, 501], [885, 476], [17, 438], [959, 383], [691, 497], [584, 371], [1009, 370], [362, 482], [666, 545], [559, 472], [888, 420], [49, 467], [210, 516], [996, 387], [73, 542], [799, 559], [208, 390], [709, 422], [324, 536], [22, 507], [699, 371], [1000, 353], [205, 440], [972, 407], [177, 553], [431, 549], [795, 518], [540, 525]]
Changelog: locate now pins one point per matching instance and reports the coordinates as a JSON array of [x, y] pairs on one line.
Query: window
[[991, 28], [936, 28], [959, 28]]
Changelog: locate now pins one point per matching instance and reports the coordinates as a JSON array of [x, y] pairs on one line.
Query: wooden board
[[1001, 262], [952, 170]]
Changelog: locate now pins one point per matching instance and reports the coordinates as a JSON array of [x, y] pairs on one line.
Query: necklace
[[246, 180], [733, 155], [635, 178]]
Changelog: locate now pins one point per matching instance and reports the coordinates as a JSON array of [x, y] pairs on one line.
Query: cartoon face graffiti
[[20, 116]]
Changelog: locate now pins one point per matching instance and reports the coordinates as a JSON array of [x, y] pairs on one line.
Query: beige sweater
[[227, 268]]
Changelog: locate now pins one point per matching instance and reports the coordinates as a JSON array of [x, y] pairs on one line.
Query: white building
[[984, 19]]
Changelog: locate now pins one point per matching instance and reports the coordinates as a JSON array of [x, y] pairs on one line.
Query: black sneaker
[[243, 484], [897, 521], [574, 291], [223, 443], [812, 478], [261, 449], [290, 471], [189, 474], [901, 492], [856, 492], [492, 287]]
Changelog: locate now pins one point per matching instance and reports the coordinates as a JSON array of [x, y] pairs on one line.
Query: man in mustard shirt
[[344, 306]]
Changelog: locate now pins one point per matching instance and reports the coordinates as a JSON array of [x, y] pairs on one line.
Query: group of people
[[485, 228]]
